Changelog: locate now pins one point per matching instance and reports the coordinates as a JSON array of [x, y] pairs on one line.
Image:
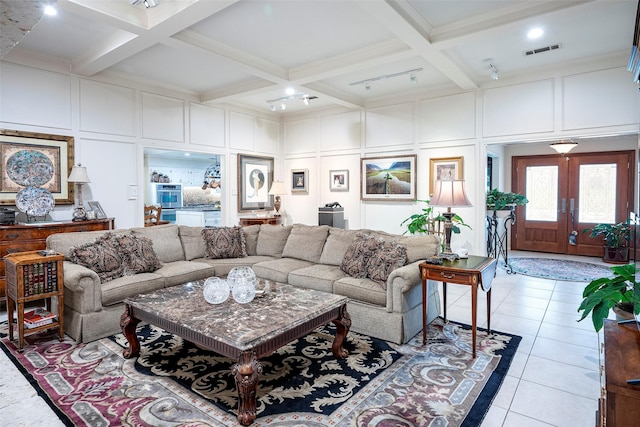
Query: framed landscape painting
[[445, 169], [255, 175], [35, 160], [388, 178]]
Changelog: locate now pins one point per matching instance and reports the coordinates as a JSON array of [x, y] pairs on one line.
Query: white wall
[[113, 123]]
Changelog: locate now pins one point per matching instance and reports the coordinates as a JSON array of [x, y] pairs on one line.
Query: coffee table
[[245, 332]]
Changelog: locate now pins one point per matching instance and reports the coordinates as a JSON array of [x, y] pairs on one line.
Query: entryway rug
[[174, 382], [559, 269]]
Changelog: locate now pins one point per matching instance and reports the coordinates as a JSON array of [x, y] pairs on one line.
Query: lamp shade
[[564, 146], [79, 174], [450, 193], [277, 188]]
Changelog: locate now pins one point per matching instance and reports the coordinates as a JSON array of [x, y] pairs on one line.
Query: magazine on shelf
[[38, 317]]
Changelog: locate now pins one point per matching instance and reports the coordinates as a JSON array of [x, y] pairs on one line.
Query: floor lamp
[[79, 176], [449, 193], [277, 189]]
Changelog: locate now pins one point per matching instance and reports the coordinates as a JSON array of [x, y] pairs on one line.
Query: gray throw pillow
[[101, 256], [358, 254], [389, 256], [137, 254], [224, 242]]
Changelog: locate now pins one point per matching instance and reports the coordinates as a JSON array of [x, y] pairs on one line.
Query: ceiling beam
[[400, 23], [107, 55]]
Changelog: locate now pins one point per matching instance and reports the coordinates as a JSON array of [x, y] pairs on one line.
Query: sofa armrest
[[400, 281], [82, 286]]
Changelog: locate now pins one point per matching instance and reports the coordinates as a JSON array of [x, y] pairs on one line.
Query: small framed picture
[[95, 206], [339, 180], [299, 180], [444, 169]]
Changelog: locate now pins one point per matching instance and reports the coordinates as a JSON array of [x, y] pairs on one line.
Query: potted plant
[[425, 222], [498, 200], [616, 241], [620, 292]]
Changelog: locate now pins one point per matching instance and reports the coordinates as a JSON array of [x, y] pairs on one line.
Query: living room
[[115, 114]]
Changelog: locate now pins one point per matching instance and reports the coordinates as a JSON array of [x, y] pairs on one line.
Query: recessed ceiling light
[[290, 91], [50, 10], [535, 33]]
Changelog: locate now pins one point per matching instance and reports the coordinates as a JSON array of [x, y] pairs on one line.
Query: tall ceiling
[[246, 52]]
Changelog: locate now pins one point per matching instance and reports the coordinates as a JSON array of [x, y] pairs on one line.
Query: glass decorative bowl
[[216, 290], [242, 281]]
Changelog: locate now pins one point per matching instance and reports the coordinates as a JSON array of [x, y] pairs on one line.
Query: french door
[[568, 194]]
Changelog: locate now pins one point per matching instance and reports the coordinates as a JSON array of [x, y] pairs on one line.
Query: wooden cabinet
[[32, 276], [32, 237], [273, 220], [620, 403]]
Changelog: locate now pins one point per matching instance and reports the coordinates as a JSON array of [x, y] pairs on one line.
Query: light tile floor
[[553, 380]]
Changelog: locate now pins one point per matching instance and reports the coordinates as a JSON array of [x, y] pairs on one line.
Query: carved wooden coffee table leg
[[128, 325], [246, 372], [343, 324]]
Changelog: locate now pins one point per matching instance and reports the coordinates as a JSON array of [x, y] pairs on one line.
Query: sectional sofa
[[385, 301]]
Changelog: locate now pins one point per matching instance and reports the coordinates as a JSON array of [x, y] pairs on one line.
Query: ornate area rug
[[559, 269], [176, 383]]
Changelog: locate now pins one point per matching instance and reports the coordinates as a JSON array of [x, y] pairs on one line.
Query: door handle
[[563, 205], [572, 205]]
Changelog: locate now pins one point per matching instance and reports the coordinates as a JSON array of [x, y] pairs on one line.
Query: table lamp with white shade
[[79, 176], [277, 189], [449, 193]]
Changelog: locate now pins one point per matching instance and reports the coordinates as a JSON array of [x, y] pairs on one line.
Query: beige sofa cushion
[[271, 239], [318, 276], [336, 245], [365, 290], [278, 269], [419, 247], [64, 242], [192, 242], [306, 242], [251, 238], [166, 242]]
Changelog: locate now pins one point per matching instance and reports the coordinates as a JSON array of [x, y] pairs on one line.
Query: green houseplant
[[498, 200], [621, 291], [616, 240], [425, 221]]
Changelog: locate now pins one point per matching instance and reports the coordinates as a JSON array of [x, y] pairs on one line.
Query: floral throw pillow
[[137, 253], [357, 256], [389, 256], [101, 256], [224, 242]]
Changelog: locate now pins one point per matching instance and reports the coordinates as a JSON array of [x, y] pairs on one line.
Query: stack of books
[[38, 317]]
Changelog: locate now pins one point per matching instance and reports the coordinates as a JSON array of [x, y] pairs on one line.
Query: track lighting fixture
[[367, 82], [305, 97], [150, 3], [494, 70]]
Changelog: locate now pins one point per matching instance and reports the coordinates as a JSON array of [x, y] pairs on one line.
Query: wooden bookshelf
[[32, 276]]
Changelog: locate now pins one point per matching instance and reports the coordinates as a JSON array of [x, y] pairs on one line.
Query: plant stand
[[498, 235]]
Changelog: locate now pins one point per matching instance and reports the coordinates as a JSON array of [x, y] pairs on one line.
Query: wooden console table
[[33, 237], [253, 220], [473, 271], [619, 404]]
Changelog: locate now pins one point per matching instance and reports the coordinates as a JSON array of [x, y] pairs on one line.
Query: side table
[[473, 271], [32, 276]]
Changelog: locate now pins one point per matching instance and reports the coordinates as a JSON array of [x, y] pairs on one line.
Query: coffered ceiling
[[245, 52]]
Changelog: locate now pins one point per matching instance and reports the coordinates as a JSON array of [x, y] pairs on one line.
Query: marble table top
[[241, 326]]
